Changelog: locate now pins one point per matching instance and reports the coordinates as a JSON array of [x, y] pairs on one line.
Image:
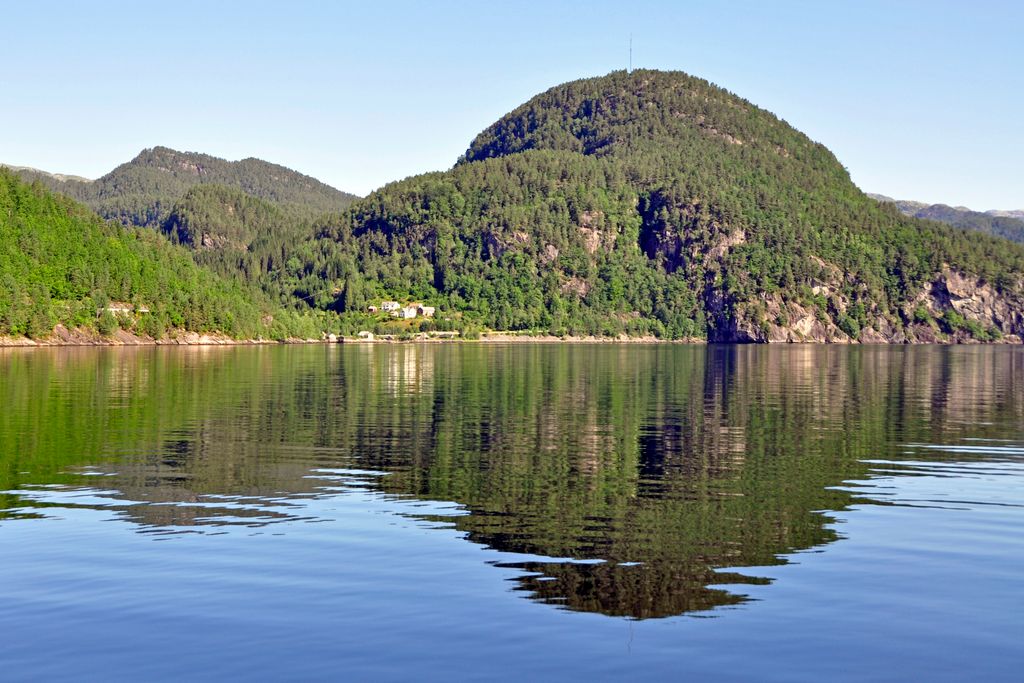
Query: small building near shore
[[405, 313]]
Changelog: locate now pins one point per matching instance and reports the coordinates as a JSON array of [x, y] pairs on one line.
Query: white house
[[389, 305], [405, 312], [425, 311]]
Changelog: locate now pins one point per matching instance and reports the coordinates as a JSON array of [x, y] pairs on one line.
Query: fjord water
[[511, 511]]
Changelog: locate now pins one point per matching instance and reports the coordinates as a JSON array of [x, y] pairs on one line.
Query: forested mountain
[[1008, 224], [143, 191], [655, 202], [62, 264], [643, 203], [246, 238]]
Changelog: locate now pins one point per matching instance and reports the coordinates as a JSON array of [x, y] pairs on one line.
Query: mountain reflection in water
[[624, 475]]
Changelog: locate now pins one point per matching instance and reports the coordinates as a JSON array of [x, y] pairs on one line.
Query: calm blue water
[[475, 511]]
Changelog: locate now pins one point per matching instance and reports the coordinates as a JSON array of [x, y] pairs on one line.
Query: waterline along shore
[[80, 337], [64, 337]]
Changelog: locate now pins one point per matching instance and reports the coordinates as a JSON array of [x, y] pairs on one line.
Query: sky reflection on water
[[314, 506]]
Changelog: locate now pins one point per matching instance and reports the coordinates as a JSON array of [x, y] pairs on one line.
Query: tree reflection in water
[[623, 474]]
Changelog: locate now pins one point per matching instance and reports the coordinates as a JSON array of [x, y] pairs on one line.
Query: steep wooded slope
[[655, 202], [62, 264]]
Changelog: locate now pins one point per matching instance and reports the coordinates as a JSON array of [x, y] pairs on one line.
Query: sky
[[919, 100]]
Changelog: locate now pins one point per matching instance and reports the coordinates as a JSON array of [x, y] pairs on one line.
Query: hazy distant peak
[[1008, 224], [1015, 213], [59, 177]]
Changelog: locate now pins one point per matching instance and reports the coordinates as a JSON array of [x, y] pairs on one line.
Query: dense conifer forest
[[144, 190], [62, 264], [644, 203]]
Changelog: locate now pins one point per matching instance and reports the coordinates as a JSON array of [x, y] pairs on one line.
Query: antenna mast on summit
[[630, 54]]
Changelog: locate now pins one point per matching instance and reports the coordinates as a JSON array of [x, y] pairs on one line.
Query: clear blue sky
[[919, 99]]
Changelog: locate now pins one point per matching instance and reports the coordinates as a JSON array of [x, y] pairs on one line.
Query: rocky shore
[[62, 336]]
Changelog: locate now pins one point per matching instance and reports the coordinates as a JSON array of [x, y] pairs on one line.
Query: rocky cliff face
[[954, 308], [964, 305]]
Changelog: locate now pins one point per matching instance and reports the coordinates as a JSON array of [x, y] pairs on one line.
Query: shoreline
[[193, 339], [62, 337], [503, 337], [206, 340]]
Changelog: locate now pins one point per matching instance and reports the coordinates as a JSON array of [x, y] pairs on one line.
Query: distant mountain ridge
[[1019, 213], [144, 190], [1007, 224], [60, 177]]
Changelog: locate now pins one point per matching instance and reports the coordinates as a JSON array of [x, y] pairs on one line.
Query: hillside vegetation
[[653, 202], [241, 219], [645, 203], [62, 264], [144, 190]]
